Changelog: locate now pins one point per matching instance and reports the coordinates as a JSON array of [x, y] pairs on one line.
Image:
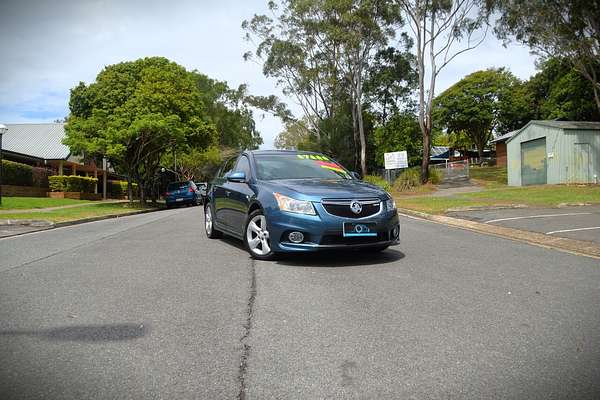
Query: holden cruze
[[292, 201]]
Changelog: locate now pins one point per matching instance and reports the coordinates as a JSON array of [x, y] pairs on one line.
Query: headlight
[[390, 204], [295, 206]]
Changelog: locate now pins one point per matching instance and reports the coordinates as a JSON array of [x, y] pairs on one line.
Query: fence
[[454, 170]]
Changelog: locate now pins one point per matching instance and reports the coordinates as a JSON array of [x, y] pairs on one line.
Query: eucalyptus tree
[[557, 28], [442, 30], [320, 51]]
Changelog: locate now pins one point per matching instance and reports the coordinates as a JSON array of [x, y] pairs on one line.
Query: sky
[[48, 46]]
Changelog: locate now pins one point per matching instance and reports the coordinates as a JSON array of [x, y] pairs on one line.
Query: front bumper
[[324, 231]]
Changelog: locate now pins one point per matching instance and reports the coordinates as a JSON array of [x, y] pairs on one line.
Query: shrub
[[408, 179], [17, 174], [72, 183], [118, 189], [435, 176], [379, 181]]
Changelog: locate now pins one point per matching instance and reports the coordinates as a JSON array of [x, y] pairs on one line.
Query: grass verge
[[24, 203], [75, 213], [541, 196]]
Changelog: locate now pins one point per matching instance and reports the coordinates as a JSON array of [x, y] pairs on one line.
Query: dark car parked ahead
[[180, 193], [288, 201]]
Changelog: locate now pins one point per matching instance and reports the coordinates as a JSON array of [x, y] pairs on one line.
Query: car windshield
[[177, 186], [298, 166]]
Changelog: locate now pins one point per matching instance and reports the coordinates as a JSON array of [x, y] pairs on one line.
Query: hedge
[[17, 174], [118, 189], [72, 183]]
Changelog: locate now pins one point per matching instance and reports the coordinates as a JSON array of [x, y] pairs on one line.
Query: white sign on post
[[397, 159]]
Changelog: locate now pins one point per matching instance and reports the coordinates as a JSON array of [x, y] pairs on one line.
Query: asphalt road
[[579, 222], [145, 307]]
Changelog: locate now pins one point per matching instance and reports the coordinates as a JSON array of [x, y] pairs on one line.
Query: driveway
[[145, 307], [580, 222]]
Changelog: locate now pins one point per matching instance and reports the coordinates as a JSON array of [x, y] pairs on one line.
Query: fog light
[[396, 232], [296, 237]]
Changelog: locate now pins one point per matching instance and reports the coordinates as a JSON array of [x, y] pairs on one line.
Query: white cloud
[[49, 46]]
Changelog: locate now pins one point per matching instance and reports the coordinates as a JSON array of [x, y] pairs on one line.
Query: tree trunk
[[129, 189], [355, 134], [142, 189], [480, 146], [426, 153], [363, 141]]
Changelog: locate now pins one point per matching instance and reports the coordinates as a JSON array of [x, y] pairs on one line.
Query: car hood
[[317, 189]]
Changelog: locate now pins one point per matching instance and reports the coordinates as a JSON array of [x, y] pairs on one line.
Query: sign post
[[394, 160]]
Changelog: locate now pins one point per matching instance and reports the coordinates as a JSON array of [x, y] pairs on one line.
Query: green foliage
[[408, 180], [401, 133], [16, 174], [118, 189], [136, 111], [379, 181], [72, 183], [475, 106], [559, 28], [558, 91]]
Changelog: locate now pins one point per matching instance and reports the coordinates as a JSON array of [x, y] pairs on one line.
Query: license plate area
[[358, 229], [179, 199]]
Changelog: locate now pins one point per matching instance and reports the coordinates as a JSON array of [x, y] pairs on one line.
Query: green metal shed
[[554, 152]]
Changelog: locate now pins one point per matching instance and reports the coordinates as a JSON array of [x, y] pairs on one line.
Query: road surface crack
[[247, 327]]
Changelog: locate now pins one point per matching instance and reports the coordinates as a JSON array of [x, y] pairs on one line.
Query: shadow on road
[[340, 258], [86, 333]]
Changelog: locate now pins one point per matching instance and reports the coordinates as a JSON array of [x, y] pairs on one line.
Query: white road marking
[[573, 230], [535, 216]]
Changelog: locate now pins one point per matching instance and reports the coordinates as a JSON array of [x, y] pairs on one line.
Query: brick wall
[[23, 191]]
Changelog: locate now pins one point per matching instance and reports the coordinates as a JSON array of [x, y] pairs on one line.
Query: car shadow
[[86, 333], [340, 258]]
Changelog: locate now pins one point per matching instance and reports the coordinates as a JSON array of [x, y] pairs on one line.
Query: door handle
[[227, 193]]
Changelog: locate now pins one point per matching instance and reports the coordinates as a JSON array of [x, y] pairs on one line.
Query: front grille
[[341, 207], [341, 240]]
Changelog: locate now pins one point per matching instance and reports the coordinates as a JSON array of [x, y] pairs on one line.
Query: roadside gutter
[[578, 247]]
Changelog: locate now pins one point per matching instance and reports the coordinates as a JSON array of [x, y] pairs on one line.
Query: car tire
[[209, 224], [256, 236]]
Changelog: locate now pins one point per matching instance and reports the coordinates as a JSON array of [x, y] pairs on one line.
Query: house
[[40, 145], [500, 143], [554, 152]]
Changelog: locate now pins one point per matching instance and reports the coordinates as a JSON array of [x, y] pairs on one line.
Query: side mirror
[[355, 175], [238, 176]]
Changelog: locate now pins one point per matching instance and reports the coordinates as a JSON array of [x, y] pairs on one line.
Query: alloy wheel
[[257, 236]]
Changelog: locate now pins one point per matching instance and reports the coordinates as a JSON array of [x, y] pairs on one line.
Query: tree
[[319, 52], [402, 132], [136, 111], [558, 28], [476, 105], [438, 26], [391, 81], [558, 91], [295, 136]]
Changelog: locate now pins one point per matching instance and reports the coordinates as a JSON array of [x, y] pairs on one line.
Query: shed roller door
[[533, 162]]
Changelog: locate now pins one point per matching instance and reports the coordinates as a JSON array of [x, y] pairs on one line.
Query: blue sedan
[[290, 201]]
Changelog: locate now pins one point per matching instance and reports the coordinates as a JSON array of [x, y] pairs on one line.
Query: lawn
[[489, 176], [75, 213], [24, 203], [543, 196]]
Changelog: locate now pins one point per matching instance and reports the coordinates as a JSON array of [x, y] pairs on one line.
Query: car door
[[239, 195], [221, 194]]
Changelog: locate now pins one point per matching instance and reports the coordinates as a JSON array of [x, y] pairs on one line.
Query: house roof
[[42, 141], [578, 125], [564, 125], [439, 152], [505, 137]]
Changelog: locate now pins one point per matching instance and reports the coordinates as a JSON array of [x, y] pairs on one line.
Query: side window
[[243, 165], [227, 167]]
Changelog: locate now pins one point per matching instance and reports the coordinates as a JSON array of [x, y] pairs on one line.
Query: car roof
[[259, 152]]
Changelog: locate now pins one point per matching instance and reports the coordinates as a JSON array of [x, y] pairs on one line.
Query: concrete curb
[[83, 221], [572, 246]]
